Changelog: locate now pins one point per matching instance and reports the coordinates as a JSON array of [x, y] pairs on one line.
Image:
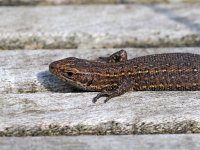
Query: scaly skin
[[170, 71]]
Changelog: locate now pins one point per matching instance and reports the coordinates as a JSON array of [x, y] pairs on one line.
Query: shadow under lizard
[[115, 75]]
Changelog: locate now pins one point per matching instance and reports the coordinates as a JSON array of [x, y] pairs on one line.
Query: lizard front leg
[[126, 85], [120, 56]]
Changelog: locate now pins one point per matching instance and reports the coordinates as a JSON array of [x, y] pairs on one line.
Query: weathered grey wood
[[36, 103], [97, 26], [63, 2], [75, 114], [141, 142], [27, 71]]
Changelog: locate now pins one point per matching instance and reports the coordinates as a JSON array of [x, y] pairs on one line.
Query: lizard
[[115, 75]]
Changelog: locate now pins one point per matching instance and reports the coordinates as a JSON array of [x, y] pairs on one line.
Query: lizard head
[[73, 71]]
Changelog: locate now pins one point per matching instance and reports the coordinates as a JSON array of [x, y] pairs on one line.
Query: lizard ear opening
[[89, 82]]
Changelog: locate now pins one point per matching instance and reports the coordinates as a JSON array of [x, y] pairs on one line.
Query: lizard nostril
[[51, 66]]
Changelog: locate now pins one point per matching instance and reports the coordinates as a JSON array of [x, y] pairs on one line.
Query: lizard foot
[[102, 94]]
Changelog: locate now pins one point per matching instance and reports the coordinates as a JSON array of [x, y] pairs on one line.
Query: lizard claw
[[102, 94], [107, 99], [94, 100]]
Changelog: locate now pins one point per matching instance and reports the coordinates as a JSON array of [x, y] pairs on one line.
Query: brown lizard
[[168, 71]]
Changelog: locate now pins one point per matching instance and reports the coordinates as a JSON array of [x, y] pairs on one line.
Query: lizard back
[[170, 71]]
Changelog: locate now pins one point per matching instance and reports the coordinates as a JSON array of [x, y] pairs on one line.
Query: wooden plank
[[27, 71], [52, 108], [66, 2], [99, 26], [141, 142], [38, 114]]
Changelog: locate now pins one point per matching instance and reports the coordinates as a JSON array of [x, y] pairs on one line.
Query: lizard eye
[[68, 74]]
